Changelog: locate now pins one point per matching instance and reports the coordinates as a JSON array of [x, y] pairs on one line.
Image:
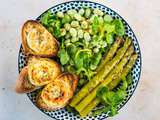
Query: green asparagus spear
[[115, 73], [112, 85], [110, 53], [99, 77], [115, 82]]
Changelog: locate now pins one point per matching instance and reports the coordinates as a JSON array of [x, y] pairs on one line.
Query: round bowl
[[63, 114]]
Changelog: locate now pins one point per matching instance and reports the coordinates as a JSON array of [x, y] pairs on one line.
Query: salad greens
[[84, 36], [112, 98]]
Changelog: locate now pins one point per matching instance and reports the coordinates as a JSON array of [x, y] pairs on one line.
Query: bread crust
[[23, 85], [65, 77], [41, 104], [29, 51], [56, 66]]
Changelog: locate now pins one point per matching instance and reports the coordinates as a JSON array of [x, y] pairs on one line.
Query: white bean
[[73, 32], [67, 26], [87, 37], [98, 12], [81, 11], [74, 23], [84, 25], [60, 14]]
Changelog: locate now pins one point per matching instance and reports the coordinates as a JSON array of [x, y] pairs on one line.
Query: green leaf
[[108, 18], [109, 38], [119, 27], [71, 110], [44, 19], [66, 19], [101, 91], [100, 111], [56, 31], [72, 49], [82, 82], [47, 19], [95, 61], [70, 68], [124, 84], [64, 57], [110, 28], [82, 58], [113, 111], [95, 25], [129, 78], [121, 94], [110, 99]]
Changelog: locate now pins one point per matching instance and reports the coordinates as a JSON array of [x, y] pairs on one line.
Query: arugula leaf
[[64, 57]]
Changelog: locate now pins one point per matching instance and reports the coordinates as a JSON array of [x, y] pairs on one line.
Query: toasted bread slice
[[42, 71], [40, 103], [23, 85], [57, 94], [36, 40], [73, 79]]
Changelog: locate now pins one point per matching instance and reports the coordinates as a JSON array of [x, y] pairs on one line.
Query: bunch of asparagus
[[115, 66]]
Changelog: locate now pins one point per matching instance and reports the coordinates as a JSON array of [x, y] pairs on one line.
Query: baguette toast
[[23, 85], [36, 40], [42, 71], [57, 94]]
